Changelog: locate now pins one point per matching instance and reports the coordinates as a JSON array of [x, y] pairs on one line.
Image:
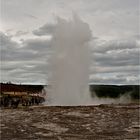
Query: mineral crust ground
[[102, 122]]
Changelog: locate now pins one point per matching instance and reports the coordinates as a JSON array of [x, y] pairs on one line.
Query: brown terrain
[[102, 122]]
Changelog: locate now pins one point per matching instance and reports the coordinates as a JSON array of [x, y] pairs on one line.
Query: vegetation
[[114, 91]]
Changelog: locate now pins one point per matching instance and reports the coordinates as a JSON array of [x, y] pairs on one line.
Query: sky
[[25, 45]]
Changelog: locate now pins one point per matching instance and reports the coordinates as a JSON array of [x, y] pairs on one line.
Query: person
[[15, 102], [6, 101]]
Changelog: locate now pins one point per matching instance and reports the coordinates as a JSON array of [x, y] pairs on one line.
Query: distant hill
[[114, 91], [10, 87]]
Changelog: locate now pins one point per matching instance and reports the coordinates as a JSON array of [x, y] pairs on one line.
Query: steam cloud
[[69, 64]]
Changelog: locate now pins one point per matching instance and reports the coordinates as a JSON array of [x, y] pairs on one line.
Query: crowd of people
[[15, 101]]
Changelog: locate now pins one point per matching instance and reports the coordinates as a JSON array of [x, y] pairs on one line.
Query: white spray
[[69, 63]]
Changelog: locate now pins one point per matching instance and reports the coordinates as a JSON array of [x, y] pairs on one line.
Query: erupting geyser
[[69, 63]]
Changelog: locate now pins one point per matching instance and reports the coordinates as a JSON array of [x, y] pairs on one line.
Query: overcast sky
[[25, 44]]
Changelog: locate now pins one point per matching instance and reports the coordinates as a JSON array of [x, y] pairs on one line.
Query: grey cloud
[[113, 4], [118, 59], [6, 42], [26, 62], [20, 33], [37, 44], [8, 47], [30, 16], [115, 53], [102, 80], [115, 45], [29, 50], [134, 70], [115, 80], [24, 77], [115, 61], [47, 29]]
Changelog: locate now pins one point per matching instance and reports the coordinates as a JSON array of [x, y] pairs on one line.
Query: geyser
[[69, 63]]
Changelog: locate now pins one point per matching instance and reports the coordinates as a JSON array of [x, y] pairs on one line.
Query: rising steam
[[69, 63]]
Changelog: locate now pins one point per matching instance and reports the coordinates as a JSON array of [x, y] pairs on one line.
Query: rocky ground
[[103, 122]]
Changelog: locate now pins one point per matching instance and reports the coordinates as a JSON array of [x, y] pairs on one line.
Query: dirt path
[[104, 122]]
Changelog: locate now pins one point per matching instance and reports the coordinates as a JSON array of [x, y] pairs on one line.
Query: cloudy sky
[[25, 44]]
